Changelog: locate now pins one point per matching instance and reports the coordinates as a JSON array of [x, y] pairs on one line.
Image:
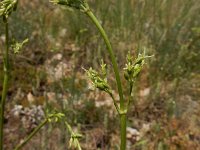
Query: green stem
[[115, 103], [113, 59], [18, 147], [129, 98], [123, 131], [5, 85], [123, 109]]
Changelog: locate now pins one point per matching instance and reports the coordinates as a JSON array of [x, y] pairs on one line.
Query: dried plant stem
[[18, 147], [123, 108], [5, 84]]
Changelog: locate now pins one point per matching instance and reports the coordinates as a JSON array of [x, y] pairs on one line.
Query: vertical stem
[[118, 80], [123, 131], [5, 85], [113, 59], [18, 147]]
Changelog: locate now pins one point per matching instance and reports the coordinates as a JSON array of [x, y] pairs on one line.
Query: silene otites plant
[[99, 79], [6, 9]]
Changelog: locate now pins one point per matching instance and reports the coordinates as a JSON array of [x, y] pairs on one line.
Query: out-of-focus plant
[[17, 46], [6, 8], [99, 80], [54, 117], [74, 140]]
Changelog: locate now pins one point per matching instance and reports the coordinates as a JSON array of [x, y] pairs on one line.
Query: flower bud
[[7, 7], [133, 67]]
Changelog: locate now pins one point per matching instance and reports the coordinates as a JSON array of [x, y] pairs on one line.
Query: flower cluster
[[134, 67], [99, 80], [17, 46], [7, 7], [77, 4], [55, 117]]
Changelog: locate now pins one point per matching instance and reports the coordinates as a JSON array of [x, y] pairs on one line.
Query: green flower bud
[[7, 7], [99, 80], [133, 67]]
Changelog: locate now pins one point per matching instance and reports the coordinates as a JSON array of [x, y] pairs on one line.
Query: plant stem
[[113, 59], [123, 109], [123, 131], [130, 92], [5, 85], [18, 147], [115, 103]]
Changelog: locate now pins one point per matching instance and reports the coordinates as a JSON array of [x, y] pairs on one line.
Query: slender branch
[[130, 92], [5, 84], [115, 103], [113, 59], [18, 147]]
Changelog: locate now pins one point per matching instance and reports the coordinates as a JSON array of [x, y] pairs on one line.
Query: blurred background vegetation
[[48, 73]]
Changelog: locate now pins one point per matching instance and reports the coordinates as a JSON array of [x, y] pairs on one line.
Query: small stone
[[30, 98]]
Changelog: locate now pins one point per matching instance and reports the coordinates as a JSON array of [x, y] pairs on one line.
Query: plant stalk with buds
[[99, 80]]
